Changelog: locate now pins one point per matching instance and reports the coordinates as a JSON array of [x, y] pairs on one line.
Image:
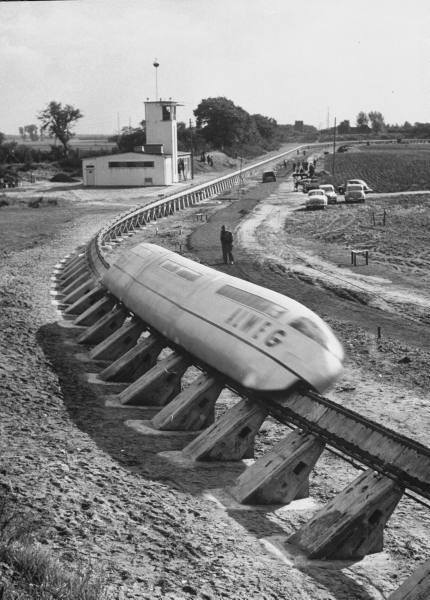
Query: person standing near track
[[226, 238]]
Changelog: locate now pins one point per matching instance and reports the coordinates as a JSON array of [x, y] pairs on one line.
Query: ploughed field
[[385, 168], [395, 230]]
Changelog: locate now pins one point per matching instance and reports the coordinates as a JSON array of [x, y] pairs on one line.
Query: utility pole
[[192, 150], [334, 147]]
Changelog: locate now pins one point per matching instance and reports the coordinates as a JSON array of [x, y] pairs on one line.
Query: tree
[[58, 121], [130, 138], [377, 121], [222, 123], [267, 128], [344, 127], [362, 119], [22, 132], [2, 138], [32, 132]]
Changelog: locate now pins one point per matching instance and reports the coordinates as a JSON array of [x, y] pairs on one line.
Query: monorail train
[[259, 338]]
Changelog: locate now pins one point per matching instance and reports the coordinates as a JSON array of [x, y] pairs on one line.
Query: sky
[[311, 60]]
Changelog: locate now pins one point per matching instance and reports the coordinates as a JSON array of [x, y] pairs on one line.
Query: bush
[[63, 178]]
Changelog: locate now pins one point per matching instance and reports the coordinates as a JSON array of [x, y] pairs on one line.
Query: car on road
[[366, 188], [309, 184], [269, 176], [316, 200], [330, 192], [355, 193]]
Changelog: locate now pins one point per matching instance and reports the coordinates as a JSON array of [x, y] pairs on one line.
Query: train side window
[[252, 301], [179, 270]]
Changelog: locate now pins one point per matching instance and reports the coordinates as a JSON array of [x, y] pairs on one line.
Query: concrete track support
[[119, 342], [69, 278], [104, 327], [352, 524], [135, 362], [95, 312], [72, 263], [76, 283], [231, 437], [282, 474], [192, 409], [158, 385], [416, 587], [82, 290], [86, 301]]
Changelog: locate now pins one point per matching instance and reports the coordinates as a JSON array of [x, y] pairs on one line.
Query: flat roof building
[[156, 163]]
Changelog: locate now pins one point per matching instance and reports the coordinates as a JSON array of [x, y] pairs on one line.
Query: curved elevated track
[[394, 462]]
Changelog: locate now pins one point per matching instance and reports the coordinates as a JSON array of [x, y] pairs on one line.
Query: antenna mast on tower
[[156, 65]]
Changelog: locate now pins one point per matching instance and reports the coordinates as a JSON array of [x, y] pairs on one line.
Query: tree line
[[219, 125], [373, 122]]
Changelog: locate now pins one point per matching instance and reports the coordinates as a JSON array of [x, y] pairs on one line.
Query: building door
[[90, 175]]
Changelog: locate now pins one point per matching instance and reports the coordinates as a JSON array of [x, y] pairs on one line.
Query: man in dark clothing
[[226, 238]]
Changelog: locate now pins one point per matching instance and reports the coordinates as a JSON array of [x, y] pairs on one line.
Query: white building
[[156, 163]]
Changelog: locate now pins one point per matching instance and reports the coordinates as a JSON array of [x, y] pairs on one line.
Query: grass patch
[[31, 572]]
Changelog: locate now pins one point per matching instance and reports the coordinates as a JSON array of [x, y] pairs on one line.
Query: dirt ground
[[159, 528]]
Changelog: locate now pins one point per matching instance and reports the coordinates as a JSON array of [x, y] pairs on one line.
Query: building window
[[131, 164], [166, 113], [148, 180]]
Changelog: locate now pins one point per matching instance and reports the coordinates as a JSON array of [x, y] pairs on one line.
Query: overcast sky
[[290, 60]]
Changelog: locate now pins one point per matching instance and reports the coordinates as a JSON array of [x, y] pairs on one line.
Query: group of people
[[207, 158], [302, 170]]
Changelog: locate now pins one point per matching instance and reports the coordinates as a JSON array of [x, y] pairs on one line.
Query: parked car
[[367, 189], [309, 184], [316, 199], [355, 193], [330, 192], [269, 176]]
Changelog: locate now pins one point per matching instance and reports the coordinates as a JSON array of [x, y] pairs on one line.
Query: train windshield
[[312, 330], [252, 301]]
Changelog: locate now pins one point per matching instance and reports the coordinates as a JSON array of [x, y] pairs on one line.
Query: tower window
[[167, 113]]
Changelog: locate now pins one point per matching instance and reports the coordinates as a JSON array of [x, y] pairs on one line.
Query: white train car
[[263, 340]]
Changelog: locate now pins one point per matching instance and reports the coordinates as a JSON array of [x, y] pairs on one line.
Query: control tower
[[161, 129]]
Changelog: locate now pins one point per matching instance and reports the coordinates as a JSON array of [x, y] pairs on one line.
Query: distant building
[[156, 163], [299, 126]]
